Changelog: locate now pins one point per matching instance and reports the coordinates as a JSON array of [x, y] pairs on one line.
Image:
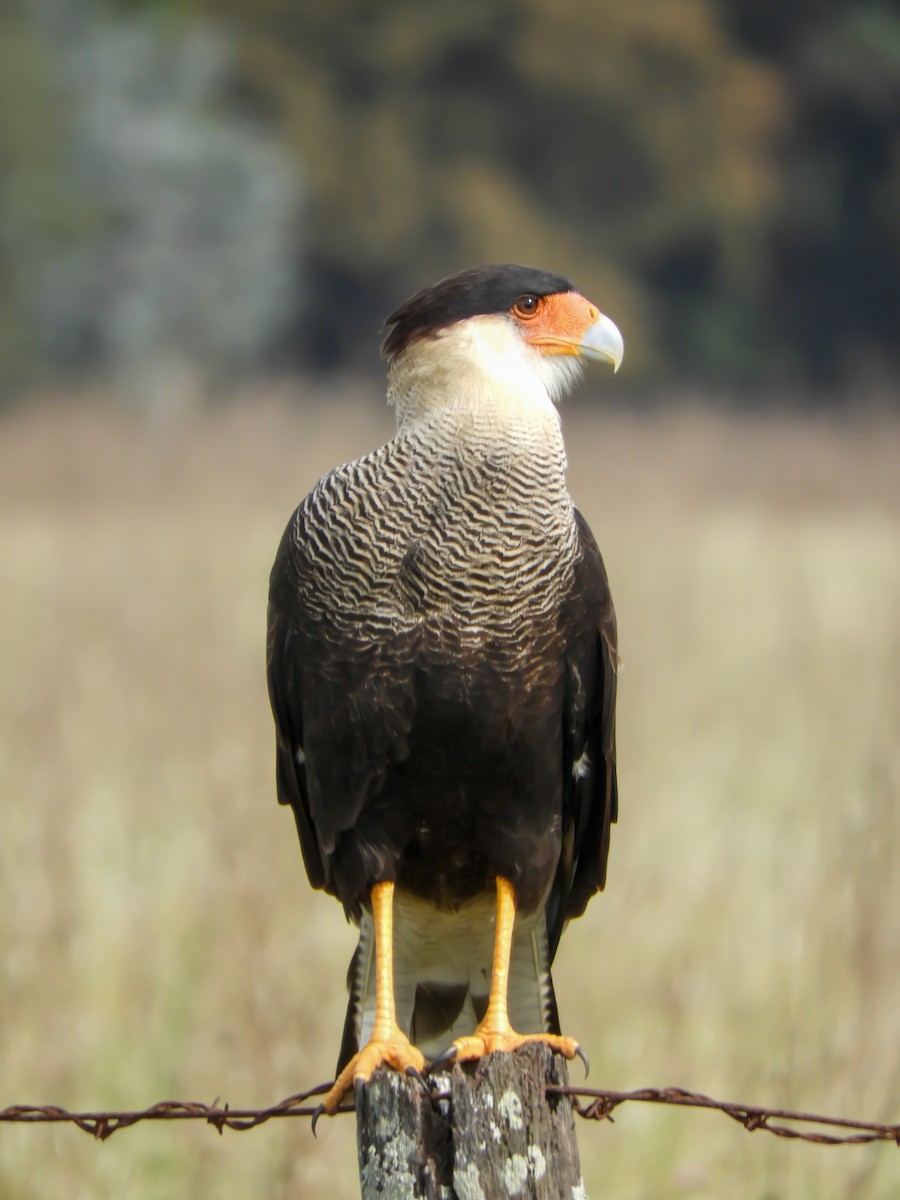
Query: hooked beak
[[603, 342]]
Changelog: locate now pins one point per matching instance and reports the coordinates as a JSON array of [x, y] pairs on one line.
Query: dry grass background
[[157, 934]]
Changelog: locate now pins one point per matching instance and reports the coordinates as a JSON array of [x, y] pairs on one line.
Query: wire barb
[[102, 1125], [593, 1104], [598, 1105]]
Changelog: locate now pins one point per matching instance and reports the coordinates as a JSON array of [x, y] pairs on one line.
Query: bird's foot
[[489, 1039], [390, 1048]]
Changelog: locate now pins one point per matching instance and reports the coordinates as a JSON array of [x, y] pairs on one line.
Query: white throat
[[480, 370]]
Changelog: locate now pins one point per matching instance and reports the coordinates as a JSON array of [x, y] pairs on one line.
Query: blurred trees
[[723, 177], [629, 146], [37, 218], [834, 246], [149, 227]]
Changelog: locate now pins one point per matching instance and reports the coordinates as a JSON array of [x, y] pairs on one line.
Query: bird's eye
[[526, 306]]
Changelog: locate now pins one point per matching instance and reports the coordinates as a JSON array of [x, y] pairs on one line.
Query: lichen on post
[[492, 1132]]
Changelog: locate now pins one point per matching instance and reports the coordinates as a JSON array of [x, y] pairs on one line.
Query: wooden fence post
[[497, 1134]]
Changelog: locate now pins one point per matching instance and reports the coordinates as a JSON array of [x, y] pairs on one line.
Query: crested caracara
[[442, 669]]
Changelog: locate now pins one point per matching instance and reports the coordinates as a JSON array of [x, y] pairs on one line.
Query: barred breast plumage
[[481, 531]]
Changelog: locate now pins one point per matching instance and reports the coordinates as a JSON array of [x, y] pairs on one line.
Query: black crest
[[471, 293]]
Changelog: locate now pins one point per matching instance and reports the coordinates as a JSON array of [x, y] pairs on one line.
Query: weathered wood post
[[494, 1133]]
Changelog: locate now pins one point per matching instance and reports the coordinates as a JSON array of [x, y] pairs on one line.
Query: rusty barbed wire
[[601, 1104], [596, 1104], [103, 1125]]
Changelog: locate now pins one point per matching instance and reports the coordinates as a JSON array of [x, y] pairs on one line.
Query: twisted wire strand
[[594, 1104]]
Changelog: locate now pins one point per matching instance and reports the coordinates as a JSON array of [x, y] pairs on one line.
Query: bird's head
[[494, 331]]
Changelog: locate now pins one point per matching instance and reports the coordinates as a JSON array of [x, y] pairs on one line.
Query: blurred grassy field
[[157, 933]]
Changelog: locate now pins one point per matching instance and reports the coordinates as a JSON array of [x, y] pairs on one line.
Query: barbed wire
[[103, 1125], [600, 1105], [596, 1104]]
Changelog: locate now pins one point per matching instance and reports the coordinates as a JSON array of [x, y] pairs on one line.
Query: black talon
[[444, 1059], [584, 1058], [359, 1092], [319, 1110], [412, 1073]]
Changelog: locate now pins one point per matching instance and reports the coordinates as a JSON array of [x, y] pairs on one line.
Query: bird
[[441, 664]]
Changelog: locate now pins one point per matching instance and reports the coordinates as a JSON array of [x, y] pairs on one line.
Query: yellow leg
[[494, 1032], [388, 1044]]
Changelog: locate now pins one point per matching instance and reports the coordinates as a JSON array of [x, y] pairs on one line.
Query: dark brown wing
[[284, 669], [343, 708], [590, 792]]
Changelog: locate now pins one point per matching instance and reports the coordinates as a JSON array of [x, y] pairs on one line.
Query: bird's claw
[[320, 1108], [389, 1048], [446, 1058], [584, 1058], [412, 1073]]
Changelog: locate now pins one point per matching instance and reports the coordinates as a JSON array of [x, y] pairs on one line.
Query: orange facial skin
[[554, 324]]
